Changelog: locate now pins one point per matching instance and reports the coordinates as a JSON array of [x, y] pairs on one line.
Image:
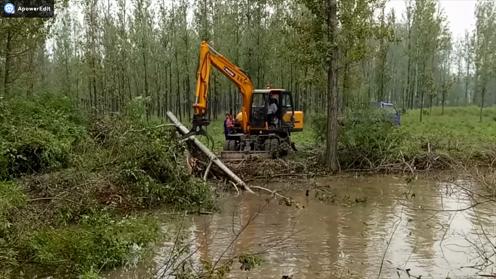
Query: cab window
[[259, 100], [285, 101]]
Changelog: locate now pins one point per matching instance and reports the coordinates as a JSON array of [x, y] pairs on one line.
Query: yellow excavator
[[255, 129]]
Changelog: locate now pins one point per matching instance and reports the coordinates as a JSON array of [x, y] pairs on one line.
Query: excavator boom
[[210, 57]]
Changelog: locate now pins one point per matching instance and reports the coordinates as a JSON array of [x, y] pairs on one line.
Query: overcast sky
[[460, 14]]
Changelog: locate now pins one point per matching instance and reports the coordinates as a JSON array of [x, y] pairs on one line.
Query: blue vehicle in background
[[390, 111]]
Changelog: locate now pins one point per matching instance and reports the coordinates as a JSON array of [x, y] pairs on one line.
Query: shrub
[[145, 159], [249, 261], [37, 134], [98, 242], [66, 195], [149, 165], [319, 127], [366, 138], [122, 155], [11, 199]]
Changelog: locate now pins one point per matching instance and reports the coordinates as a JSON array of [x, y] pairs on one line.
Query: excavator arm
[[208, 58]]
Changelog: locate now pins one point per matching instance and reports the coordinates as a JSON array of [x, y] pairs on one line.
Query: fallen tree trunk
[[212, 157]]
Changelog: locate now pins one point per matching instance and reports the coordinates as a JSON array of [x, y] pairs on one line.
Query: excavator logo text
[[229, 72]]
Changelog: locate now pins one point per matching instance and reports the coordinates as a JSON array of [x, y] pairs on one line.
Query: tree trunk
[[422, 94], [93, 81], [170, 92], [343, 101], [415, 90], [408, 91], [466, 83], [8, 63], [178, 91], [331, 158], [431, 100], [483, 93], [187, 82], [443, 100], [30, 89], [158, 90], [145, 78], [183, 130]]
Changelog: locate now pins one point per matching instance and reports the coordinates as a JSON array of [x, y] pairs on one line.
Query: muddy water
[[366, 227]]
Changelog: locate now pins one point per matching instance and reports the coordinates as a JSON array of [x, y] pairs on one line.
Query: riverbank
[[74, 190]]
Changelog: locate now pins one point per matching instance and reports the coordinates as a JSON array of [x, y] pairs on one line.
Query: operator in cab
[[272, 111]]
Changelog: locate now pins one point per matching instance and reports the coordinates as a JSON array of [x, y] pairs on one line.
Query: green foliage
[[12, 198], [319, 127], [219, 271], [91, 274], [483, 47], [37, 135], [368, 139], [98, 242], [135, 110], [249, 261], [142, 158]]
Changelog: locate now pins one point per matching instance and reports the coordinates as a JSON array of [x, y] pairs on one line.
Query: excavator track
[[268, 148], [244, 155]]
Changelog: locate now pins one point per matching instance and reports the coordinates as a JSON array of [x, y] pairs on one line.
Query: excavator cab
[[262, 118], [270, 128], [286, 119]]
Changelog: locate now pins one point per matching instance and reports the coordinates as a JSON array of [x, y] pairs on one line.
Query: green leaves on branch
[[37, 134]]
